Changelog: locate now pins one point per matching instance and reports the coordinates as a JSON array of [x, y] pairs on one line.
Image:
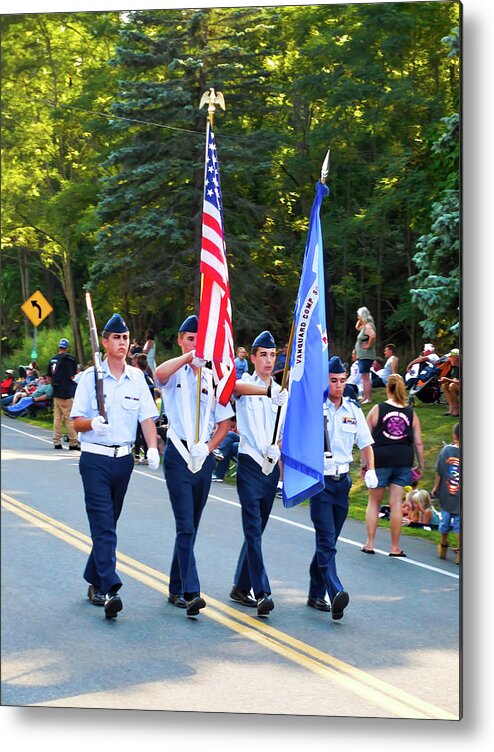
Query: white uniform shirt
[[256, 416], [173, 396], [355, 377], [386, 372], [346, 426], [128, 401]]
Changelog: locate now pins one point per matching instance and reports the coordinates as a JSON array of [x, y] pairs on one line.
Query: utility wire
[[132, 120], [150, 122]]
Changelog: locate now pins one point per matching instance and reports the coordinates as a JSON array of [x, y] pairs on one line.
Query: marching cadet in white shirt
[[258, 398], [106, 461], [345, 425], [188, 464]]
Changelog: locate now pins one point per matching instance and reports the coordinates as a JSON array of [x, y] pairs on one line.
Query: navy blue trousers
[[188, 495], [105, 481], [256, 492], [328, 512]]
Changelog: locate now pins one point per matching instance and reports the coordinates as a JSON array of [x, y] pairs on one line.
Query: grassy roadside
[[436, 429]]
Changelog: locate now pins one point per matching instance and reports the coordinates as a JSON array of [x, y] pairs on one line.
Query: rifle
[[98, 369]]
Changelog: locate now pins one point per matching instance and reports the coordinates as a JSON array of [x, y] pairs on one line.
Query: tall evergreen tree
[[149, 243]]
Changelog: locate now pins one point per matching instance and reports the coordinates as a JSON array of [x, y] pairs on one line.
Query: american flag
[[215, 335]]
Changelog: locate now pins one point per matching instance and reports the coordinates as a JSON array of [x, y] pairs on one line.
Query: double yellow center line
[[392, 700]]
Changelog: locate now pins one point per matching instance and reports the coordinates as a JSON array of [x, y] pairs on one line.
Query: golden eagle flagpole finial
[[212, 98]]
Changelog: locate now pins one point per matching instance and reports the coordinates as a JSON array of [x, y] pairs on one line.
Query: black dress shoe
[[77, 448], [318, 603], [57, 446], [113, 604], [195, 605], [95, 595], [339, 603], [239, 596], [177, 600], [264, 604]]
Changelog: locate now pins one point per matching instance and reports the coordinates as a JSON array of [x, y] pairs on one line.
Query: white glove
[[270, 459], [197, 362], [280, 398], [273, 452], [370, 479], [153, 458], [199, 450], [329, 464], [198, 453], [99, 426]]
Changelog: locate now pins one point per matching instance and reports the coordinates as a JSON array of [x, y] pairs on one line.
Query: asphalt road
[[395, 654]]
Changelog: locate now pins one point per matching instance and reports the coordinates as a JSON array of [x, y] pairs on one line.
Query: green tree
[[150, 208], [372, 81], [436, 285], [52, 66]]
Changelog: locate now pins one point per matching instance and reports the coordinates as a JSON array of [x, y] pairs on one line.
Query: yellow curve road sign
[[37, 308]]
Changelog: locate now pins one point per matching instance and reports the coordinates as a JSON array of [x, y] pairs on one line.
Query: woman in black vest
[[397, 436]]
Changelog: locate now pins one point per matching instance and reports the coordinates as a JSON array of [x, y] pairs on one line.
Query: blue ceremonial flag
[[302, 448]]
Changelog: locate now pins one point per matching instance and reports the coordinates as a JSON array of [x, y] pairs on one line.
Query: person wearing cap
[[107, 461], [188, 460], [345, 425], [428, 356], [61, 371], [450, 382], [32, 376], [258, 398]]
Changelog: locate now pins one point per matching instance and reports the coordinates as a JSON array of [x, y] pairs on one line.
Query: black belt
[[337, 477], [183, 441]]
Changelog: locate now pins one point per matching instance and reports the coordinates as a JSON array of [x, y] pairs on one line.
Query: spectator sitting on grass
[[8, 383], [450, 382], [42, 393], [427, 358], [391, 364], [377, 370]]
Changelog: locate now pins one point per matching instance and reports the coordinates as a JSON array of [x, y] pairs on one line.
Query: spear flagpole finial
[[325, 168], [212, 98]]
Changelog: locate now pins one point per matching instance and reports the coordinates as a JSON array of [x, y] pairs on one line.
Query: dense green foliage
[[103, 160]]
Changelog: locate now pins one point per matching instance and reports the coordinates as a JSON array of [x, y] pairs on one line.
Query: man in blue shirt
[[106, 461], [241, 365]]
